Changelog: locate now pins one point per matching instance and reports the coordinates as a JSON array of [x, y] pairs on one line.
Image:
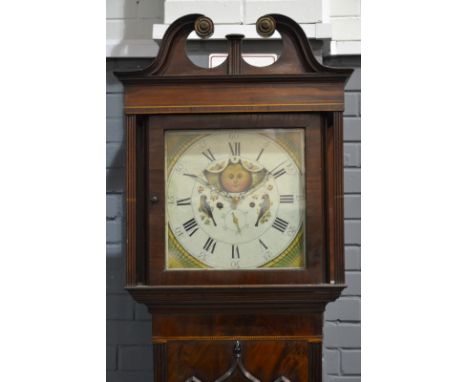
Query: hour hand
[[210, 186]]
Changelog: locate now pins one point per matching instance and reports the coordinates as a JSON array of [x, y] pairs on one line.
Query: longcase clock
[[234, 197]]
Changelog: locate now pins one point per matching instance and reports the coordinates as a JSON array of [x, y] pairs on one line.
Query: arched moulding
[[172, 59], [296, 55], [237, 366], [296, 58]]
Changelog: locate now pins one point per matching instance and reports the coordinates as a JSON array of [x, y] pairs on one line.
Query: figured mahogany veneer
[[272, 318]]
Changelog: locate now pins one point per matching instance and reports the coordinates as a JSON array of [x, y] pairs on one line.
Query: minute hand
[[275, 168], [198, 179], [258, 186], [205, 183]]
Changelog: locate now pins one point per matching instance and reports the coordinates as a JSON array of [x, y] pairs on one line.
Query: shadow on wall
[[133, 24]]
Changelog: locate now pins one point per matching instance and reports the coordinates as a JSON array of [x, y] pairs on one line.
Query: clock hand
[[265, 179], [269, 172], [198, 179], [210, 186], [235, 220], [234, 200], [256, 188]]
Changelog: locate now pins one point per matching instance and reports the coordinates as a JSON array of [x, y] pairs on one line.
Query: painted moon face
[[235, 178]]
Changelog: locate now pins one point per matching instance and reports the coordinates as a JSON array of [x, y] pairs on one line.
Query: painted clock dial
[[234, 199]]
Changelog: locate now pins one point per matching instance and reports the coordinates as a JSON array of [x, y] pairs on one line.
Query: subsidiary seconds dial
[[235, 199]]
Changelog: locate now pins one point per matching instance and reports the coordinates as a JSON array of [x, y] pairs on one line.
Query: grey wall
[[128, 324], [342, 342]]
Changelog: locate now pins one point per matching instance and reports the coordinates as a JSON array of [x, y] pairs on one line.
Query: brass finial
[[266, 26], [204, 27]]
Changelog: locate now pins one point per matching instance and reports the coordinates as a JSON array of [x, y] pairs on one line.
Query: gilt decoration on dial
[[235, 199]]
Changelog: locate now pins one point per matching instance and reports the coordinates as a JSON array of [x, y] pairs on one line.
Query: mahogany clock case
[[157, 274], [275, 316], [149, 266]]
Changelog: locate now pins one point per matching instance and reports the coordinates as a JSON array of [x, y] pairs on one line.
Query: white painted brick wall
[[121, 9], [345, 17], [129, 22], [220, 11], [132, 9], [346, 28], [150, 9], [302, 11], [345, 8], [244, 11], [129, 27]]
